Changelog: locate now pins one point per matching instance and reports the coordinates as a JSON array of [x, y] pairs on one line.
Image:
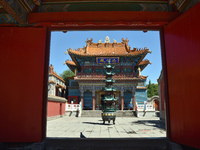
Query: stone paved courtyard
[[92, 127]]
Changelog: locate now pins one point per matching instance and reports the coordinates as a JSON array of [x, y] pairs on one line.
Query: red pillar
[[122, 103], [133, 103], [93, 103]]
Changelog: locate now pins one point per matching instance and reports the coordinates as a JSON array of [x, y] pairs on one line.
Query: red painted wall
[[182, 41], [162, 94], [22, 53], [55, 109], [157, 105], [63, 108]]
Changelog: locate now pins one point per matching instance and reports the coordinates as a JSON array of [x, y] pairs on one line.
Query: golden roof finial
[[107, 39]]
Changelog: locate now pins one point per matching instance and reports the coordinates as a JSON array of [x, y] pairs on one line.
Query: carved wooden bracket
[[7, 7]]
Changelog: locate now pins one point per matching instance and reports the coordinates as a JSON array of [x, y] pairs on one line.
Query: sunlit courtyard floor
[[93, 127]]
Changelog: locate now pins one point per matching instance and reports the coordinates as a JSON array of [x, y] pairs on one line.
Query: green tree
[[66, 74], [152, 89]]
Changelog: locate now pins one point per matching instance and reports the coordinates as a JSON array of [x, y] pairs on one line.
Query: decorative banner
[[104, 60]]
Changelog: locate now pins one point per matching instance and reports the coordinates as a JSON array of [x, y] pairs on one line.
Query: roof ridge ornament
[[51, 67], [114, 41], [125, 40], [107, 39], [89, 41]]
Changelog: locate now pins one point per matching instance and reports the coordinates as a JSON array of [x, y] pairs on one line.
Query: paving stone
[[94, 128]]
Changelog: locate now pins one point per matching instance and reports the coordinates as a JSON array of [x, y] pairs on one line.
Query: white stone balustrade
[[72, 107], [141, 106]]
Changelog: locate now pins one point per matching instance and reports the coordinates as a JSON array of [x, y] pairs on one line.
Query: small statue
[[107, 39]]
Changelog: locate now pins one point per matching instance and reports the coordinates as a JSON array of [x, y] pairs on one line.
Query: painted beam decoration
[[6, 18], [104, 60], [67, 7], [17, 10]]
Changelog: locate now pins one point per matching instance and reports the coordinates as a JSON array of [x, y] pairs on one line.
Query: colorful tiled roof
[[70, 62], [108, 51], [52, 72], [143, 77], [144, 62]]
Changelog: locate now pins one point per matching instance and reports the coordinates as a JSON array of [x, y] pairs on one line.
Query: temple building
[[56, 84], [88, 65], [56, 95]]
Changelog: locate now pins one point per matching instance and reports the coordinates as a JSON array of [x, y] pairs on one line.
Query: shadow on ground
[[153, 123], [95, 123]]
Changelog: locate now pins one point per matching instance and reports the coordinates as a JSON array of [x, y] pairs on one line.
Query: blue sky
[[60, 42]]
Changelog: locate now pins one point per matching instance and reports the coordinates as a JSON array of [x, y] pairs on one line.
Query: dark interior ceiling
[[17, 11]]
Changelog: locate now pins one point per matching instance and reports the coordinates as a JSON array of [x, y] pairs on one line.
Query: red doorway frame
[[160, 29], [126, 24], [101, 20]]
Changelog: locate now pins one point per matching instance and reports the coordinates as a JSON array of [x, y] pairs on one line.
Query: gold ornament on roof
[[107, 39]]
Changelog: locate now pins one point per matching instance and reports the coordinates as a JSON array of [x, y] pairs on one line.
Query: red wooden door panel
[[22, 55], [182, 46]]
